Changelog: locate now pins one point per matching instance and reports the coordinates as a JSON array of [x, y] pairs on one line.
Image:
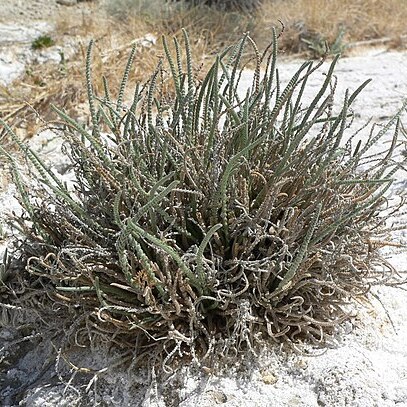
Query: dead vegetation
[[309, 25], [361, 20]]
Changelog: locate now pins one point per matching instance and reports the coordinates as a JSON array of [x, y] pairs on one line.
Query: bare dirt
[[28, 11], [21, 22]]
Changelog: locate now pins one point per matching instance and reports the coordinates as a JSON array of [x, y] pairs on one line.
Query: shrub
[[320, 46], [241, 5], [156, 7], [150, 9], [43, 41], [211, 220]]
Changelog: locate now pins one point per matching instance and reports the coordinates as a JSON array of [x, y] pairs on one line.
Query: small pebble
[[269, 378]]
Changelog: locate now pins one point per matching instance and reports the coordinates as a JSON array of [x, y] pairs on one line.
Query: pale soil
[[367, 366], [37, 10], [23, 21]]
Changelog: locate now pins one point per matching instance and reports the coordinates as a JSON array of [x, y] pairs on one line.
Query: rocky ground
[[21, 22], [365, 366]]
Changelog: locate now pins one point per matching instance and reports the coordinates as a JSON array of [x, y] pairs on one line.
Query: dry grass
[[210, 30], [26, 103], [361, 19]]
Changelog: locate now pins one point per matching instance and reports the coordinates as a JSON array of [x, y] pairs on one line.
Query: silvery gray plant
[[207, 221]]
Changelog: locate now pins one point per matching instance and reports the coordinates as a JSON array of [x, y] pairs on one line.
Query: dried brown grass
[[210, 31], [26, 104], [361, 19]]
